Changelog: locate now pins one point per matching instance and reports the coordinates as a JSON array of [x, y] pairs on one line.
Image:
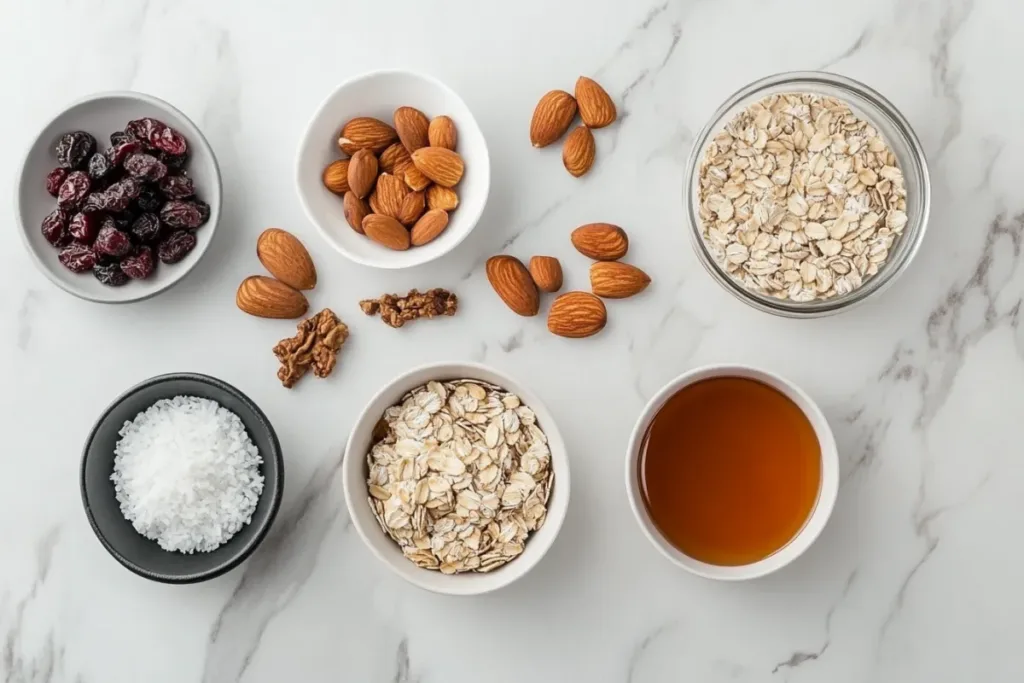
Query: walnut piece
[[396, 311], [316, 345]]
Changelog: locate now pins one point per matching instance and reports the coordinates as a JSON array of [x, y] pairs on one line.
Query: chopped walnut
[[316, 345], [396, 311]]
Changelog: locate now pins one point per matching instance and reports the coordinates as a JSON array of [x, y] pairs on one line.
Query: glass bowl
[[894, 129]]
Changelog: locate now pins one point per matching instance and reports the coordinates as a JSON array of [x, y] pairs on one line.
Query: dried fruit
[[145, 130], [266, 297], [552, 117], [115, 198], [576, 315], [110, 274], [414, 178], [284, 256], [601, 241], [145, 167], [578, 151], [176, 246], [112, 242], [596, 108], [73, 190], [362, 172], [204, 210], [428, 227], [74, 149], [413, 205], [614, 280], [99, 167], [139, 264], [546, 272], [394, 156], [395, 311], [146, 228], [512, 282], [55, 228], [335, 176], [174, 187], [77, 258], [122, 150], [118, 137], [364, 132], [84, 227], [316, 346], [412, 126], [441, 165], [440, 197], [171, 142], [356, 210], [386, 231], [442, 133], [54, 179], [181, 214]]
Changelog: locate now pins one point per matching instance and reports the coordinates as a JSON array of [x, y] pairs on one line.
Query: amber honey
[[729, 470]]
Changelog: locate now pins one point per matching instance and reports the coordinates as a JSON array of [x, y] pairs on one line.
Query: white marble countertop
[[915, 578]]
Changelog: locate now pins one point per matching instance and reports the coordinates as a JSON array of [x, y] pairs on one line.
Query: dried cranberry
[[170, 141], [145, 167], [55, 228], [97, 201], [84, 226], [73, 149], [147, 130], [146, 228], [173, 163], [99, 166], [139, 264], [118, 137], [112, 242], [110, 274], [204, 211], [176, 246], [177, 187], [181, 214], [107, 221], [77, 258], [150, 200], [54, 179], [119, 152], [119, 196], [73, 190]]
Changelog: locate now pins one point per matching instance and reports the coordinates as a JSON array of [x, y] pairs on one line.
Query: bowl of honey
[[732, 472]]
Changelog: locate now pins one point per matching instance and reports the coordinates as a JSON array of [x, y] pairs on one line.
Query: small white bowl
[[378, 94], [100, 115], [354, 473], [826, 494]]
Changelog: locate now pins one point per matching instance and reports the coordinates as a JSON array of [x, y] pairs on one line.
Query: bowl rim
[[195, 135], [385, 263], [817, 519], [510, 572], [261, 532]]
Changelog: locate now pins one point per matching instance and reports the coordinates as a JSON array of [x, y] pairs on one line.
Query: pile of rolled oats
[[461, 477], [800, 199]]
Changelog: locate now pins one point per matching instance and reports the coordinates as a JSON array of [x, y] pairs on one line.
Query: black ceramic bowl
[[119, 537]]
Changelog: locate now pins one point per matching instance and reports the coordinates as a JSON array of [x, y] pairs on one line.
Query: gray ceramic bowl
[[101, 115], [118, 536]]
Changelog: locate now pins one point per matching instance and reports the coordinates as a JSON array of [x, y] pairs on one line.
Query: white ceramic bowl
[[826, 494], [100, 115], [378, 94], [354, 473]]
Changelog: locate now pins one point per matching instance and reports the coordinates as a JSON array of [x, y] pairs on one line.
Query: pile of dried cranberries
[[116, 208]]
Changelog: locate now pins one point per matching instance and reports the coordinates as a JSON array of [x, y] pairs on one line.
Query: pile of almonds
[[280, 296], [398, 182], [555, 113]]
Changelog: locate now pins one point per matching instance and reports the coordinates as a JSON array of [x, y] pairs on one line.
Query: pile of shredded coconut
[[186, 474]]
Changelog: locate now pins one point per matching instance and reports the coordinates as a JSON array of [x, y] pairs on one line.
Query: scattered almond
[[512, 282], [578, 151], [386, 231], [390, 192], [576, 315], [442, 133], [601, 241], [356, 210], [284, 257], [414, 178], [362, 172], [394, 156], [441, 165], [412, 126], [365, 132], [552, 117], [430, 225], [413, 205], [546, 272], [614, 280], [440, 197], [596, 108], [266, 297], [336, 176]]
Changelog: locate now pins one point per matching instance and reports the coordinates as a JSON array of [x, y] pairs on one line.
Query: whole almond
[[414, 178], [596, 108], [578, 151], [362, 172], [512, 282], [284, 257], [336, 177], [577, 314], [386, 231], [392, 157], [356, 210], [430, 225], [442, 133], [266, 297], [412, 126], [413, 205], [614, 280], [546, 272], [441, 165], [601, 241], [552, 117], [365, 132], [389, 194], [439, 197]]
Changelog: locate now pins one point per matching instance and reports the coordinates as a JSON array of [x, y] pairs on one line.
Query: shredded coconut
[[186, 474]]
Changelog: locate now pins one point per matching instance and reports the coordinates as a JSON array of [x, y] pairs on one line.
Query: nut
[[441, 165], [389, 195], [336, 177], [552, 117], [356, 210], [365, 132], [386, 231], [412, 126], [576, 315], [266, 297], [601, 241], [512, 282], [413, 205], [414, 178], [362, 172], [596, 108], [429, 226], [283, 255], [395, 311], [440, 197], [546, 272], [614, 280], [316, 345], [578, 151], [442, 133], [394, 156]]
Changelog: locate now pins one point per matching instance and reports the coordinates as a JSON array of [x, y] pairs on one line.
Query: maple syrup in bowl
[[732, 472]]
